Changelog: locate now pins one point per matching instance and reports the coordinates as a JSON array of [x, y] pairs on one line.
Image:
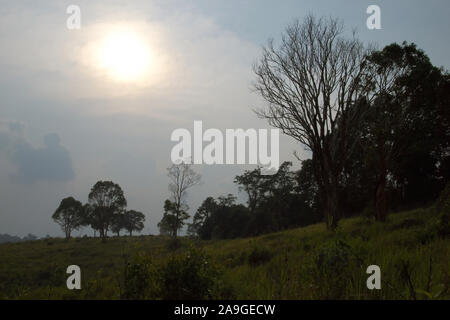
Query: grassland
[[303, 263]]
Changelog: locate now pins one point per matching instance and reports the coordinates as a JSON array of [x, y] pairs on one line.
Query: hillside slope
[[303, 263]]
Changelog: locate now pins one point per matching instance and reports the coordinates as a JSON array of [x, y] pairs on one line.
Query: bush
[[333, 258], [186, 277], [331, 270], [138, 278], [259, 256], [191, 277]]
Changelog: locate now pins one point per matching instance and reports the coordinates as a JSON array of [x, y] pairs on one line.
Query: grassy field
[[303, 263]]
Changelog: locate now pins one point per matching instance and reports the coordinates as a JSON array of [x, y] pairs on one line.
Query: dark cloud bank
[[52, 162]]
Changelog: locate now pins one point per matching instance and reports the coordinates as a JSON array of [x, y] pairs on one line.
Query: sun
[[124, 56]]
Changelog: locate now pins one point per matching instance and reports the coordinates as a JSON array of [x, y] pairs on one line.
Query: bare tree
[[316, 93], [182, 177]]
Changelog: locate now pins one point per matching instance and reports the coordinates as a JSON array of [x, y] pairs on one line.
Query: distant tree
[[174, 218], [278, 211], [69, 215], [89, 219], [30, 237], [106, 200], [118, 223], [202, 214], [253, 183], [182, 177], [166, 224], [313, 85], [133, 221], [5, 238]]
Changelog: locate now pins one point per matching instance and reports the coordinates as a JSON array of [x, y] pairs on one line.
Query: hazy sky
[[65, 123]]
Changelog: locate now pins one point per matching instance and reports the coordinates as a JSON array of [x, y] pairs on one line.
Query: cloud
[[51, 162]]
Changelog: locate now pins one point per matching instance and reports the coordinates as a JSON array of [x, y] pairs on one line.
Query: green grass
[[303, 263]]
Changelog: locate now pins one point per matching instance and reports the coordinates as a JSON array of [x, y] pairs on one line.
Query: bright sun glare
[[124, 56]]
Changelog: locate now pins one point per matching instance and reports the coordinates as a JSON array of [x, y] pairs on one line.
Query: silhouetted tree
[[203, 213], [106, 200], [118, 223], [173, 218], [253, 183], [182, 177], [133, 221], [69, 215], [403, 136]]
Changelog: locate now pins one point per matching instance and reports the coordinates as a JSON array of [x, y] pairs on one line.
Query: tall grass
[[303, 263]]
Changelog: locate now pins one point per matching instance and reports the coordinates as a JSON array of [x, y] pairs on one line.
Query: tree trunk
[[380, 198], [331, 207], [328, 186], [178, 206]]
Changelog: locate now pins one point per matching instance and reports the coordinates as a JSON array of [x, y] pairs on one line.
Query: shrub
[[137, 278], [331, 270], [190, 276], [333, 258]]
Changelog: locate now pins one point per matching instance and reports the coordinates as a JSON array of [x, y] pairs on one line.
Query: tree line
[[105, 211]]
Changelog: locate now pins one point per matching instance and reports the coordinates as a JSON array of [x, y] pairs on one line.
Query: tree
[[173, 219], [403, 135], [69, 215], [106, 200], [203, 213], [118, 223], [221, 218], [314, 89], [253, 183], [182, 177], [133, 221]]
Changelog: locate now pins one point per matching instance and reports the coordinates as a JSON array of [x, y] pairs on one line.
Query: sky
[[68, 120]]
